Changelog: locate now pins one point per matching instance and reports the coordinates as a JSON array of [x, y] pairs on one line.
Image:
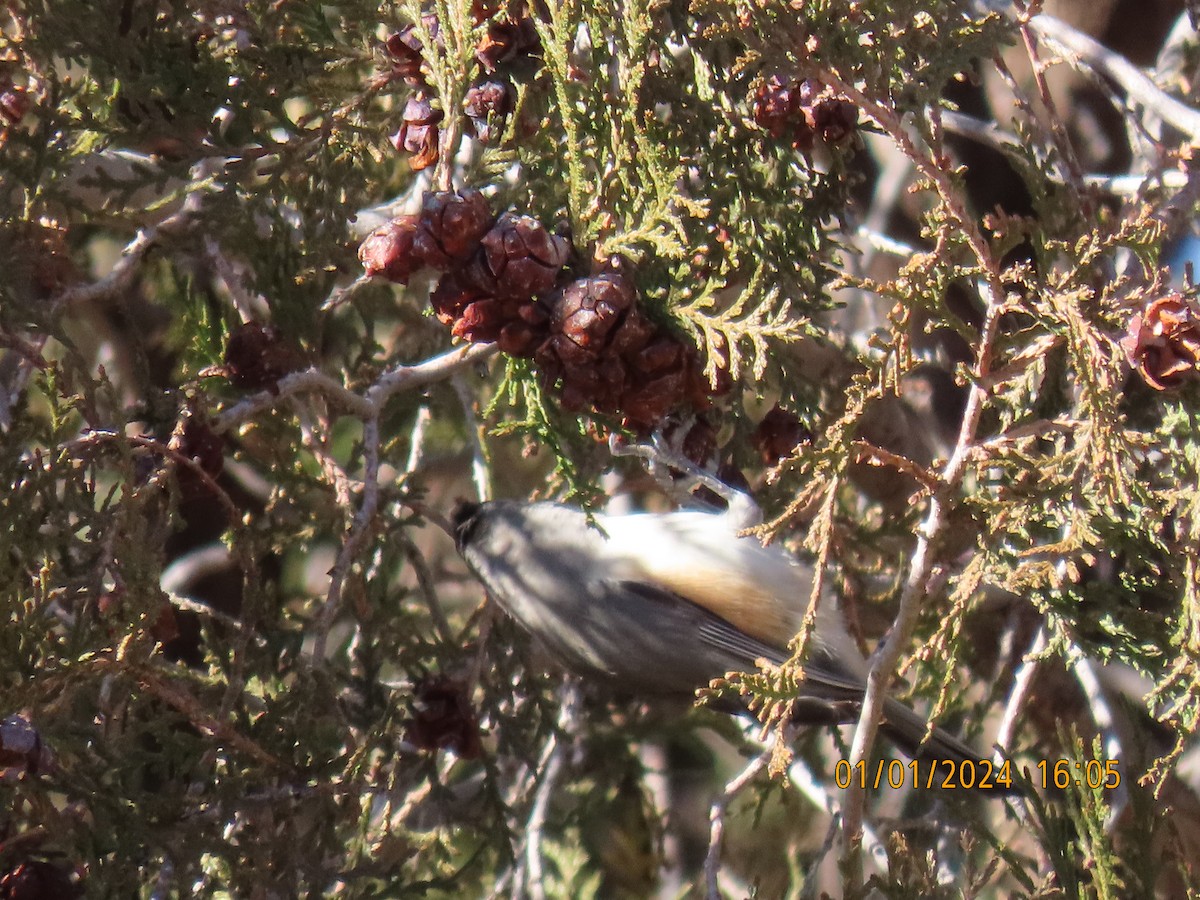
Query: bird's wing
[[729, 648]]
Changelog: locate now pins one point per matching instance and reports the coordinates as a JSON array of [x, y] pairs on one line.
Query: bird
[[661, 604]]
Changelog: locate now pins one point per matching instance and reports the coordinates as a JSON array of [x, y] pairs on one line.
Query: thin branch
[[883, 668], [308, 381], [427, 586], [867, 453], [1058, 133], [182, 701], [416, 440], [987, 132], [550, 767], [1080, 50], [982, 131], [886, 244], [187, 604], [716, 820], [399, 378], [354, 538], [439, 368], [802, 778], [117, 281], [1036, 429], [1022, 684], [657, 779], [479, 466], [554, 759], [1102, 715], [341, 295]]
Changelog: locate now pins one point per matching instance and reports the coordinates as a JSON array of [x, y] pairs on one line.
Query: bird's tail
[[943, 761]]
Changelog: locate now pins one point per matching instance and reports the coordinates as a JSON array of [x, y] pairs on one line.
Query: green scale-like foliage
[[242, 141]]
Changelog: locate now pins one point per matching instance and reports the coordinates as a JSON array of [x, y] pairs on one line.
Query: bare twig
[[181, 700], [343, 294], [1080, 50], [1036, 429], [930, 165], [416, 440], [989, 133], [802, 778], [479, 466], [427, 586], [1102, 715], [657, 780], [716, 820], [1022, 684], [867, 453], [203, 609], [983, 131], [310, 380], [248, 303], [439, 368], [886, 244], [1058, 132], [549, 771], [551, 765], [354, 537], [370, 403], [116, 282]]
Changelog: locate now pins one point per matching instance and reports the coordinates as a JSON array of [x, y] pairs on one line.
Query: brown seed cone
[[834, 119], [646, 402], [419, 134], [506, 39], [611, 358], [452, 296], [443, 719], [598, 385], [483, 320], [389, 250], [634, 332], [257, 356], [422, 141], [588, 310], [1163, 342], [659, 355], [521, 337], [522, 256], [419, 110], [450, 227], [487, 104], [406, 53], [778, 434], [775, 105]]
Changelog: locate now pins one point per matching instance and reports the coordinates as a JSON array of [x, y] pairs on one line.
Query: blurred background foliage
[[920, 286]]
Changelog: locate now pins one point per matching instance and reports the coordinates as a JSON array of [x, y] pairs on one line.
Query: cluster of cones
[[505, 279], [803, 110], [510, 37]]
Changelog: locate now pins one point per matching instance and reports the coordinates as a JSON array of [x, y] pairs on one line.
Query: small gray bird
[[661, 604]]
